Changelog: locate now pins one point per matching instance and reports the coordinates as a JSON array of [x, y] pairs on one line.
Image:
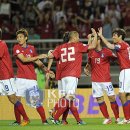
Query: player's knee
[[100, 99], [70, 97], [112, 98], [12, 99]]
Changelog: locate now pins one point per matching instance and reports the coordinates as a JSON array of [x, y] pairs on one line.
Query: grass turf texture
[[92, 124]]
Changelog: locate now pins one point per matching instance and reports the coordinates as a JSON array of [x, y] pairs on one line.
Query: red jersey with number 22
[[70, 57]]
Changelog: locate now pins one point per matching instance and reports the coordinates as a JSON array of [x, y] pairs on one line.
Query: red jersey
[[6, 69], [25, 70], [100, 64], [70, 57], [123, 54]]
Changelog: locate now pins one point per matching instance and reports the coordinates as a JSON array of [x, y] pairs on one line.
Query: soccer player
[[60, 89], [122, 49], [26, 77], [70, 56], [7, 79], [99, 62]]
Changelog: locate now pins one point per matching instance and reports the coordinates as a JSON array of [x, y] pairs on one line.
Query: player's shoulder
[[2, 42], [16, 46], [62, 45], [106, 50], [30, 46], [123, 43]]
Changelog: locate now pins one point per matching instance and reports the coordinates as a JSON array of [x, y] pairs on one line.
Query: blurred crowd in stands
[[47, 19]]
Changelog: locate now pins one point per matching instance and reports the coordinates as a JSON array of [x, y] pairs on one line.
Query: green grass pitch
[[92, 124]]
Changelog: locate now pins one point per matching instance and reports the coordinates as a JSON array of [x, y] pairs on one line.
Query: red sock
[[126, 110], [65, 114], [41, 112], [74, 111], [115, 109], [56, 106], [103, 109], [62, 107], [21, 110], [17, 115], [129, 108]]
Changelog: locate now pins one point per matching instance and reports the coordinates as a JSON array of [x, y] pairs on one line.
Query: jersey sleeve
[[83, 48], [2, 50], [120, 47], [16, 51], [34, 51], [111, 54], [56, 53]]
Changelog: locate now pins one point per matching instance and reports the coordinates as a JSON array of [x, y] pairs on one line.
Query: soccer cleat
[[107, 121], [117, 120], [124, 121], [52, 119], [45, 123], [81, 123], [51, 112], [64, 122], [25, 122], [57, 122], [15, 123]]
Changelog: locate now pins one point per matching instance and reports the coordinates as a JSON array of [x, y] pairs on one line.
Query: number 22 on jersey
[[67, 54]]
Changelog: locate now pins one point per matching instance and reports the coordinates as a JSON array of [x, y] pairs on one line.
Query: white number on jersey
[[97, 60], [69, 55]]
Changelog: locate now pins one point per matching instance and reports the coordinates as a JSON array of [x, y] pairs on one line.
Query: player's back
[[70, 56], [6, 69]]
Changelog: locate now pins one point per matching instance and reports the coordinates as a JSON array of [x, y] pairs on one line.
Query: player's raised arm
[[50, 61], [93, 43], [108, 44]]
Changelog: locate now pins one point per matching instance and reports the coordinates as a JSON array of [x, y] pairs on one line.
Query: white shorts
[[60, 92], [7, 87], [124, 81], [23, 85], [60, 85], [69, 85], [98, 89]]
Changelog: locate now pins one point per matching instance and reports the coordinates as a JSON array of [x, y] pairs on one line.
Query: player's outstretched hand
[[42, 56], [93, 31], [100, 31], [52, 74], [50, 51]]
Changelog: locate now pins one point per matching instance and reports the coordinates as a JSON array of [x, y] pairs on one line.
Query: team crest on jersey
[[17, 51], [31, 51], [102, 55]]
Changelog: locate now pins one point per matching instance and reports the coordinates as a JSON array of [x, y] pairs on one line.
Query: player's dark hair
[[120, 32], [66, 36], [22, 31], [0, 33]]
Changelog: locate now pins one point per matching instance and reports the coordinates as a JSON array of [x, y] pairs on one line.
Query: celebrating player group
[[68, 57]]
